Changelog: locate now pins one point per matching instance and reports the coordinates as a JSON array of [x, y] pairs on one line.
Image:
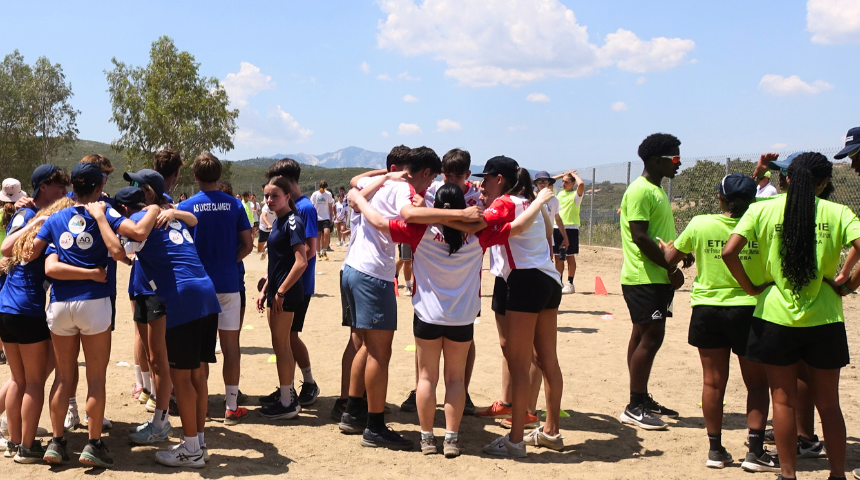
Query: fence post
[[628, 173], [591, 209], [670, 191], [727, 166]]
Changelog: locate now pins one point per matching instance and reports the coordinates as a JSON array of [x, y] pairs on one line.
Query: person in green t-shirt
[[721, 320], [800, 317], [569, 201], [648, 282]]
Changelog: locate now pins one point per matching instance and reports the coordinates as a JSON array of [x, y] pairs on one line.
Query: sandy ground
[[592, 353]]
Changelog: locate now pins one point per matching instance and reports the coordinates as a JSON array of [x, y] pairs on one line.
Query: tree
[[167, 104], [55, 118]]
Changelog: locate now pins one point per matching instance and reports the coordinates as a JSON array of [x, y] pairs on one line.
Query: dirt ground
[[592, 353]]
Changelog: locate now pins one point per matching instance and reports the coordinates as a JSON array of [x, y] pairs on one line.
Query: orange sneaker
[[496, 410], [532, 421], [233, 417]]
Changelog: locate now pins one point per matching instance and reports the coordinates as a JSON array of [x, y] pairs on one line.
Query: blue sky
[[306, 75]]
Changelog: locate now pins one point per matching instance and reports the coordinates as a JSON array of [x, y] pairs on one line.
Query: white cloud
[[277, 128], [793, 85], [516, 41], [537, 97], [833, 21], [408, 129], [247, 82], [447, 125], [778, 146], [383, 76], [618, 106], [514, 128], [409, 99], [640, 81], [407, 77], [364, 67], [385, 134]]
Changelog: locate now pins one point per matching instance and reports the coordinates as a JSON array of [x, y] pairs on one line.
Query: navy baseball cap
[[129, 196], [782, 165], [89, 173], [501, 165], [852, 143], [41, 175], [544, 175], [146, 177], [737, 184]]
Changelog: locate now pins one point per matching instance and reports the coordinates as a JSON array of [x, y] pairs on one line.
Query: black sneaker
[[353, 425], [56, 453], [242, 399], [11, 449], [409, 405], [659, 410], [98, 457], [642, 418], [277, 410], [718, 458], [310, 392], [271, 398], [810, 448], [387, 438], [769, 437], [469, 408], [764, 463], [2, 357], [34, 454], [338, 408], [172, 407]]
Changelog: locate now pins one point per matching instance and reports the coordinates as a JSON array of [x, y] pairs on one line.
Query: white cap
[[11, 191]]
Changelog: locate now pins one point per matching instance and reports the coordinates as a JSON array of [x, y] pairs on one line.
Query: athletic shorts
[[256, 224], [404, 252], [112, 313], [148, 308], [192, 343], [229, 318], [301, 313], [432, 331], [531, 290], [23, 329], [823, 346], [87, 317], [372, 304], [346, 318], [263, 236], [288, 306], [712, 326], [323, 224], [242, 301], [572, 239], [500, 296], [650, 302]]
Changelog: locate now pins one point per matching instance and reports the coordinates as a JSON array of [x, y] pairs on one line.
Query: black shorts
[[289, 304], [721, 327], [500, 296], [301, 313], [242, 300], [572, 239], [263, 236], [323, 224], [112, 313], [531, 290], [823, 346], [648, 303], [148, 308], [404, 252], [192, 343], [346, 319], [23, 329], [432, 331]]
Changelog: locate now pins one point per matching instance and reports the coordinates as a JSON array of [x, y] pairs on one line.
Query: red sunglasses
[[674, 158]]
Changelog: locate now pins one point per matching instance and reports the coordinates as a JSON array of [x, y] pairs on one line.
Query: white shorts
[[231, 304], [87, 317]]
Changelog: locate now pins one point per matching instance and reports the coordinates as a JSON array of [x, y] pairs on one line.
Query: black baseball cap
[[852, 143], [147, 177], [89, 173], [737, 184], [501, 165], [129, 196], [41, 175], [544, 175]]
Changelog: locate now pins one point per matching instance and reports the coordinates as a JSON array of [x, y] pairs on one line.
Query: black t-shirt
[[287, 231]]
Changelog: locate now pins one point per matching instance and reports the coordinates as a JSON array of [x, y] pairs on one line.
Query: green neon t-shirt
[[705, 236], [568, 208], [817, 303], [644, 201]]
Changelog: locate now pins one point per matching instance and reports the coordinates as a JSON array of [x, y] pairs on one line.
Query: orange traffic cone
[[396, 287], [599, 288]]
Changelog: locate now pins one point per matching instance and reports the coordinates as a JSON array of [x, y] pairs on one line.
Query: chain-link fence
[[692, 191]]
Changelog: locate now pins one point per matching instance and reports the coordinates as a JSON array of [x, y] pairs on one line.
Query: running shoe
[[502, 447], [642, 418], [568, 288], [718, 458], [278, 411], [451, 448], [72, 419], [496, 410], [34, 454], [428, 445], [263, 255], [11, 449], [338, 408], [353, 425], [271, 398], [172, 407], [136, 391], [242, 399], [233, 417], [764, 463], [106, 423], [56, 453], [218, 346], [96, 456], [532, 421], [310, 392], [538, 438], [659, 410], [409, 405], [2, 357], [3, 442], [387, 438], [4, 427], [469, 408], [205, 453], [179, 456], [149, 434], [150, 404], [856, 473], [769, 437], [810, 448]]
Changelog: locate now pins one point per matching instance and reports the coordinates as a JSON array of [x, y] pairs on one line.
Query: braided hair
[[450, 196], [798, 251]]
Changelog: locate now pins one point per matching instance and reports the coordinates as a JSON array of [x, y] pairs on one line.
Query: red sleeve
[[409, 233], [495, 235], [500, 211]]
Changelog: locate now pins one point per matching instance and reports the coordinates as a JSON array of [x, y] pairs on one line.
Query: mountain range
[[343, 158]]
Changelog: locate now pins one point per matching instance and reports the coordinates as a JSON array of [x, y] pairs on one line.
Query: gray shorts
[[372, 303]]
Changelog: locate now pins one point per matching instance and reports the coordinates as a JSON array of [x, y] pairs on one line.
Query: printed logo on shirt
[[84, 241], [175, 237], [212, 207], [187, 235], [18, 221], [175, 225], [292, 223], [66, 240], [77, 224], [113, 213], [657, 315]]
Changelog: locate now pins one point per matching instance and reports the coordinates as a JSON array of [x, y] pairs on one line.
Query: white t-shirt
[[270, 217], [371, 251], [767, 191], [322, 202], [256, 210], [340, 212], [473, 195]]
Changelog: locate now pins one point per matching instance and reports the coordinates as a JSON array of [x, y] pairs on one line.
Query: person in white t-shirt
[[340, 211], [267, 219], [765, 188], [324, 203]]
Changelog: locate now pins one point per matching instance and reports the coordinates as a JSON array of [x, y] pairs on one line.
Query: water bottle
[[562, 253]]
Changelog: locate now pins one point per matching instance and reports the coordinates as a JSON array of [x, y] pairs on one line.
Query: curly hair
[[798, 250], [657, 144], [24, 246]]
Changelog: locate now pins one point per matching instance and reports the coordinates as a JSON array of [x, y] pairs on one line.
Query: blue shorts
[[372, 304]]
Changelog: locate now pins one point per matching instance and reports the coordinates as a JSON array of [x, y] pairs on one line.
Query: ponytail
[[523, 185], [450, 196]]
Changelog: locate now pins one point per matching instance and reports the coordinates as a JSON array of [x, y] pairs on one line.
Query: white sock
[[232, 396], [200, 439], [147, 381], [286, 395], [159, 418], [409, 284], [138, 377], [73, 404], [307, 376], [192, 444]]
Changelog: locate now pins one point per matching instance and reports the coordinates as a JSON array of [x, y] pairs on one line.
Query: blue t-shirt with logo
[[308, 214], [105, 198], [23, 292], [77, 241], [220, 218], [287, 231], [171, 263]]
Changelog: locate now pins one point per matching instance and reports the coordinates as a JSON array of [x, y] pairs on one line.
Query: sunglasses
[[674, 158], [542, 181]]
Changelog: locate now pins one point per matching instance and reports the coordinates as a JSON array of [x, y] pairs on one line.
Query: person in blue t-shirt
[[223, 238], [283, 292], [291, 169]]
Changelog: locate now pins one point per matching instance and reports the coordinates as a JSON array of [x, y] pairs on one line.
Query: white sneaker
[[218, 346], [179, 456], [538, 438], [503, 447], [568, 288], [4, 428], [72, 419], [205, 453], [106, 423]]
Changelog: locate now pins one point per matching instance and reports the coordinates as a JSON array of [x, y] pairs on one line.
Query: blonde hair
[[24, 246]]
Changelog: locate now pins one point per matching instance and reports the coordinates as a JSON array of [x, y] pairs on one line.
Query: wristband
[[281, 295], [846, 289]]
